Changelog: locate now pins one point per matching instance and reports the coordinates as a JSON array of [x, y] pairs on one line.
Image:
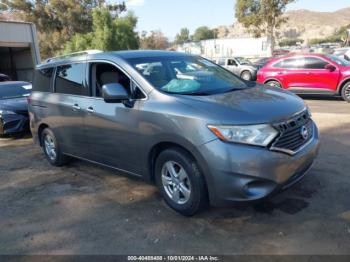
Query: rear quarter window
[[70, 79], [290, 63], [43, 80]]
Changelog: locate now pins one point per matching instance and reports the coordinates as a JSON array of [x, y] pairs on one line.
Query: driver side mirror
[[330, 67], [114, 93]]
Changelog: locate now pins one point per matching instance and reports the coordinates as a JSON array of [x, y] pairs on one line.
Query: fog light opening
[[258, 189]]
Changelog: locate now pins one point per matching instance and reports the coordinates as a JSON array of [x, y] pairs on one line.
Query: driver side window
[[104, 73], [231, 62]]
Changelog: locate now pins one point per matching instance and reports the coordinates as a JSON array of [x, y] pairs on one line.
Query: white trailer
[[19, 50], [228, 47]]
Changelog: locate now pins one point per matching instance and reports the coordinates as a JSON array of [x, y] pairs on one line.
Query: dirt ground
[[86, 209]]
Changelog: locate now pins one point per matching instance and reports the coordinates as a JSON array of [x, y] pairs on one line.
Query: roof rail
[[86, 52]]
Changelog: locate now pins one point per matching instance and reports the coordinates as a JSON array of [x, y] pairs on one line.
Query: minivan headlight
[[260, 135]]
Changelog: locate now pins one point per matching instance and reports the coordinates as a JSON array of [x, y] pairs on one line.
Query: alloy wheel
[[246, 76], [50, 147], [176, 182], [347, 92], [273, 84]]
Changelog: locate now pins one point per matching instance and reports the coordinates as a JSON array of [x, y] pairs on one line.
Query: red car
[[308, 74]]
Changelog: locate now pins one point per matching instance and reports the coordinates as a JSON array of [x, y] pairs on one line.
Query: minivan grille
[[294, 133]]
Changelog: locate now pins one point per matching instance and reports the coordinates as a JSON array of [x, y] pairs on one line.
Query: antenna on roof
[[86, 52]]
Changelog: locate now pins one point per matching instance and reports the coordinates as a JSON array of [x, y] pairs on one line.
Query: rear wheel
[[273, 83], [180, 182], [345, 93], [52, 148], [246, 75]]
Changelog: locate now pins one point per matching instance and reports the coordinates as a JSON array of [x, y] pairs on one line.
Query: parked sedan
[[239, 66], [342, 52], [14, 107], [262, 62], [309, 73]]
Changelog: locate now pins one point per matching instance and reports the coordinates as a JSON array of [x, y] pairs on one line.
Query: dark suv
[[190, 126]]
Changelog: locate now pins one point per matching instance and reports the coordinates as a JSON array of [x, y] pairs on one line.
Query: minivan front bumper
[[241, 173]]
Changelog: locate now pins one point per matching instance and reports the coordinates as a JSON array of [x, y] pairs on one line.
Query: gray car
[[240, 67], [197, 131]]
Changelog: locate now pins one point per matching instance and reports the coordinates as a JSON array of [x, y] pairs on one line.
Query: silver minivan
[[197, 131]]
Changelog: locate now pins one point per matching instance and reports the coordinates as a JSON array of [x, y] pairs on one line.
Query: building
[[19, 50], [226, 47]]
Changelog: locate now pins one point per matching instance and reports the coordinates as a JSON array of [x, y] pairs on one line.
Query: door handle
[[90, 109], [76, 107]]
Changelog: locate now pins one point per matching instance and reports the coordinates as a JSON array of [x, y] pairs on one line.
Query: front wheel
[[180, 182], [246, 75], [346, 92], [52, 148]]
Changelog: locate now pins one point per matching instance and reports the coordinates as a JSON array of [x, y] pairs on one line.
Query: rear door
[[66, 114], [290, 72]]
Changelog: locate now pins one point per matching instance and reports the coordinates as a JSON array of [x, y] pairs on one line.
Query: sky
[[171, 15]]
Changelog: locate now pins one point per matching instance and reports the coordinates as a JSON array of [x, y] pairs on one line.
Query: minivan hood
[[255, 105]]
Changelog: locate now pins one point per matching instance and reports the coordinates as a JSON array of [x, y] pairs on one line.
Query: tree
[[107, 34], [57, 21], [262, 17], [203, 33], [155, 40], [183, 36], [4, 6], [125, 34]]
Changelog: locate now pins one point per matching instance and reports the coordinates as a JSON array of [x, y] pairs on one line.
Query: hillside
[[304, 24]]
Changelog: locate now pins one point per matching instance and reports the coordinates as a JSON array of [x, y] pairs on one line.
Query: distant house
[[226, 47], [19, 50]]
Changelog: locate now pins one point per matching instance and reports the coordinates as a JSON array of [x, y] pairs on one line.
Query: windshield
[[14, 90], [243, 61], [339, 60], [186, 75]]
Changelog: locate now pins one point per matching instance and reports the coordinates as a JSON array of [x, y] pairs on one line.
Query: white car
[[347, 55], [343, 52]]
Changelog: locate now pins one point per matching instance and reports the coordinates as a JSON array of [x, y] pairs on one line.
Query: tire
[[183, 187], [52, 149], [345, 92], [246, 75], [273, 83]]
